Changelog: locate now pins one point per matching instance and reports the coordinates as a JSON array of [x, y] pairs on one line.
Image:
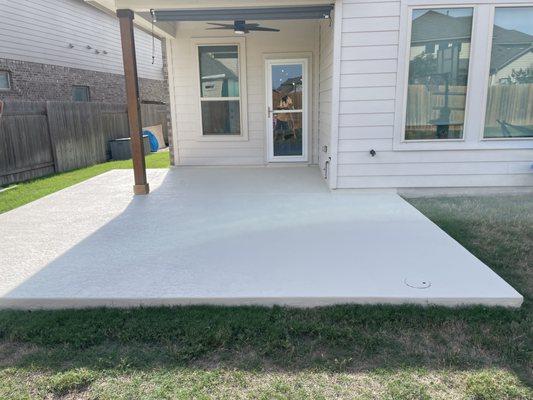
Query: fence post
[[51, 137]]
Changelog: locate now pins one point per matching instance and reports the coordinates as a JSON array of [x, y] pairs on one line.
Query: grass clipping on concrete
[[344, 352]]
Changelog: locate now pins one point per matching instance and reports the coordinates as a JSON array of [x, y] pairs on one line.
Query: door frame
[[304, 61]]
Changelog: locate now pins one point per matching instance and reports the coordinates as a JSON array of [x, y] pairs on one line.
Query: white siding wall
[[296, 37], [325, 92], [370, 38], [41, 30], [523, 62]]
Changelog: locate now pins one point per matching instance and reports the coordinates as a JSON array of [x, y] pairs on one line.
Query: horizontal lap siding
[[40, 31], [369, 65], [294, 37]]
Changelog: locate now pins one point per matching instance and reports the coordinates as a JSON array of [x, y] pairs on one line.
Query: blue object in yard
[[154, 144]]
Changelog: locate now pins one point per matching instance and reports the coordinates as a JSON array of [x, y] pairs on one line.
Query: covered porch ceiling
[[255, 13], [167, 12], [147, 5], [172, 11]]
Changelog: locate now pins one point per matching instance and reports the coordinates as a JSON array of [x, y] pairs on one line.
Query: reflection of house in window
[[512, 56], [292, 88], [219, 87], [509, 108], [443, 43], [438, 73], [219, 72], [290, 85]]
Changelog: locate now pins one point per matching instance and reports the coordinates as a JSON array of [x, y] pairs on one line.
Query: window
[[5, 80], [81, 93], [509, 108], [220, 90], [439, 58], [465, 76]]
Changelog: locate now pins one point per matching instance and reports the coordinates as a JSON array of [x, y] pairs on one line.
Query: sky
[[280, 73], [452, 12], [517, 18]]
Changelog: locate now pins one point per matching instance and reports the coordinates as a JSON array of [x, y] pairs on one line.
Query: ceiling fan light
[[239, 27]]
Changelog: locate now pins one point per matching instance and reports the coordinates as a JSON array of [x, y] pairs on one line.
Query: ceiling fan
[[241, 27]]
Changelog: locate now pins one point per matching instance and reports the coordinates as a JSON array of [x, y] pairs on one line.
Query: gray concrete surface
[[232, 236]]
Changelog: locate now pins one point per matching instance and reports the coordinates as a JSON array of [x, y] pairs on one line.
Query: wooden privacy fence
[[423, 104], [40, 138], [510, 103]]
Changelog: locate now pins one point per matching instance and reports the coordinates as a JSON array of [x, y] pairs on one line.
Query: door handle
[[269, 112]]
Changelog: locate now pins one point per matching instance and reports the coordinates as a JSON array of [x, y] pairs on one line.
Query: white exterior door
[[287, 108]]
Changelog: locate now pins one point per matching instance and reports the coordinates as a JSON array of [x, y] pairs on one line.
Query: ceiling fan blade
[[221, 25], [263, 29]]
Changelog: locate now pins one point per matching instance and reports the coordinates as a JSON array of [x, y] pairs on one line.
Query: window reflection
[[510, 94], [287, 87], [438, 73], [287, 95], [219, 71], [221, 117], [288, 134], [219, 89]]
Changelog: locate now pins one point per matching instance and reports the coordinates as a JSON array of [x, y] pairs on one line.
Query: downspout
[[335, 94]]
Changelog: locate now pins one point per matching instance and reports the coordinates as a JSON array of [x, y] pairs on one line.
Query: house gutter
[[109, 7]]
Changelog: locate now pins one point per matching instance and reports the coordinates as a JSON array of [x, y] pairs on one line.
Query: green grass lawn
[[342, 352], [29, 191]]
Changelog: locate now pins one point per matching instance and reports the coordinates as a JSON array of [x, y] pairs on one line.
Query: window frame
[[74, 87], [9, 85], [477, 86], [240, 42], [486, 74]]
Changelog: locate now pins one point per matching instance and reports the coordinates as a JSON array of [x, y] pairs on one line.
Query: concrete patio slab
[[232, 236]]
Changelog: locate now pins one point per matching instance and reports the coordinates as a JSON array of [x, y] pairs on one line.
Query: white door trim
[[305, 109]]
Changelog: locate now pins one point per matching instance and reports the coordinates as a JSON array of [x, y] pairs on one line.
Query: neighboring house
[[69, 50], [388, 94], [513, 51]]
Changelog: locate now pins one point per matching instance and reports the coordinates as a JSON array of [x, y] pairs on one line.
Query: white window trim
[[240, 42], [491, 11], [477, 87], [306, 85]]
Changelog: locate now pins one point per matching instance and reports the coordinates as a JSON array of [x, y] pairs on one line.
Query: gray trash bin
[[121, 148]]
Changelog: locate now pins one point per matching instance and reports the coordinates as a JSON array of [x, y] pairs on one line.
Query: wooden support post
[[132, 97]]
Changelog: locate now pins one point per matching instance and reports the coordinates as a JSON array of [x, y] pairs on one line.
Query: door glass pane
[[438, 73], [287, 128], [219, 71], [221, 117], [510, 95], [287, 87]]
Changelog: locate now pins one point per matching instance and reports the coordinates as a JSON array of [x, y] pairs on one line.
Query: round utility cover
[[417, 283]]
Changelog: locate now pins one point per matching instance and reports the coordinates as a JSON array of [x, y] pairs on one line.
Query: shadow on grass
[[330, 339]]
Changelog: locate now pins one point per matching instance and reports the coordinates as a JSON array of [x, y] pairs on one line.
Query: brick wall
[[33, 81]]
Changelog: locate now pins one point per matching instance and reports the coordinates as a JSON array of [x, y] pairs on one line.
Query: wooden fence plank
[[25, 148], [35, 137]]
